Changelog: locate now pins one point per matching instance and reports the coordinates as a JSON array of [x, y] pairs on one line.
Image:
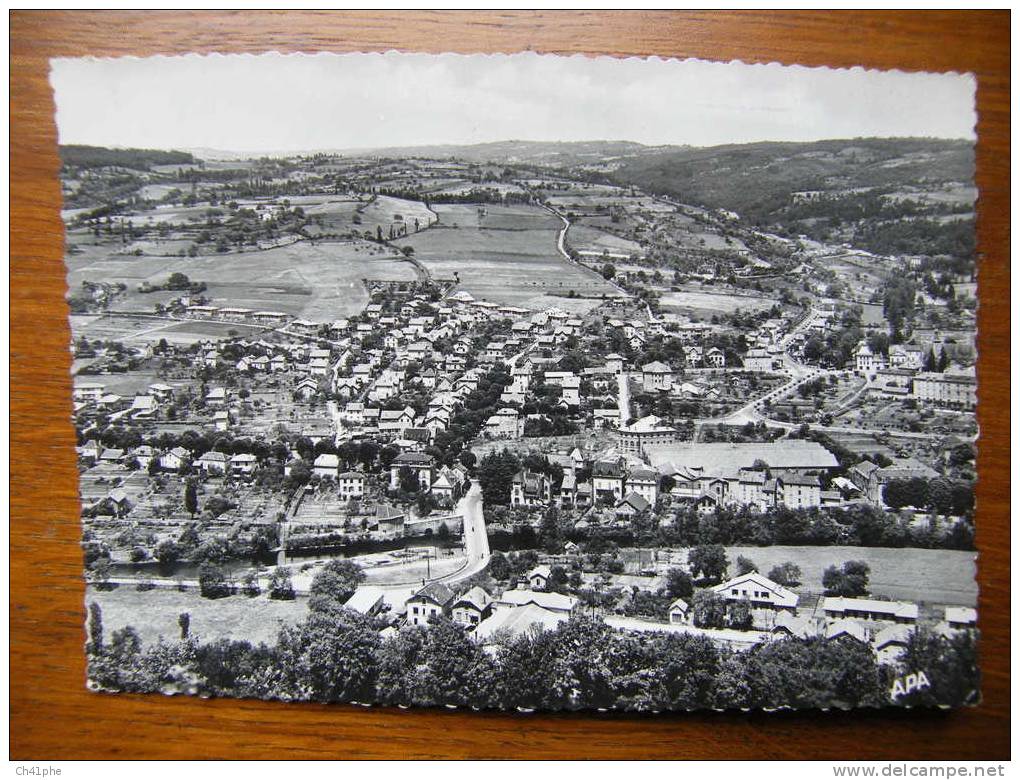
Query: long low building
[[953, 390], [725, 458], [647, 432], [838, 607]]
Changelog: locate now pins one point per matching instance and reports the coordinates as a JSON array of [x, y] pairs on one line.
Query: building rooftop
[[517, 620], [719, 458]]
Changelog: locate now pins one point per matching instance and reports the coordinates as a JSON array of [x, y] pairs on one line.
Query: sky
[[280, 103]]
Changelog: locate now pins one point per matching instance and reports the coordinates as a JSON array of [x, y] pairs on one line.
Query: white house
[[420, 464], [471, 608], [212, 463], [431, 601], [656, 376], [507, 423], [351, 485], [327, 465], [759, 590], [679, 612], [538, 578]]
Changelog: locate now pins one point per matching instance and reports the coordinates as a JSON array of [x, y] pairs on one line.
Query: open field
[[504, 255], [911, 574], [385, 211], [708, 303], [461, 187], [154, 613], [128, 384], [320, 282], [414, 573], [589, 239]]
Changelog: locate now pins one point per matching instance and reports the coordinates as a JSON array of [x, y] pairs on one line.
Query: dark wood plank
[[52, 714]]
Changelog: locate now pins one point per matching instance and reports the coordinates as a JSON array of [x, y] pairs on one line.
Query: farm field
[[459, 188], [154, 614], [321, 282], [588, 239], [910, 574], [128, 384], [706, 304], [502, 254], [385, 211]]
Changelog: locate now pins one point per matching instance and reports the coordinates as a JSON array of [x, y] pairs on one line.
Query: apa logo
[[909, 684]]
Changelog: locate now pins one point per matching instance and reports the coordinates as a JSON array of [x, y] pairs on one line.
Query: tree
[[608, 271], [95, 645], [281, 587], [850, 581], [678, 583], [739, 615], [499, 566], [709, 561], [190, 497], [557, 581], [300, 473], [787, 574], [745, 565], [184, 621], [250, 585], [531, 672], [212, 581], [899, 493], [708, 610], [100, 573], [452, 669], [424, 505], [407, 480], [331, 656], [496, 474], [125, 643], [337, 580]]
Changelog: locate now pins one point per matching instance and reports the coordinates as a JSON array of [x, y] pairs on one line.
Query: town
[[483, 401]]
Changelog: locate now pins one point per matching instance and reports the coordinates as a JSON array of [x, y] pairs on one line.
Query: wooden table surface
[[52, 714]]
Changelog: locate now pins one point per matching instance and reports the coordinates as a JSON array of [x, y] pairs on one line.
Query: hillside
[[550, 153], [902, 194], [74, 156]]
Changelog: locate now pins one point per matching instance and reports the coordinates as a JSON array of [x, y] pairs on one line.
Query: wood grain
[[52, 714]]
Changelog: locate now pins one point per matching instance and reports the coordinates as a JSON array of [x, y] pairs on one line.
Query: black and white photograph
[[523, 382]]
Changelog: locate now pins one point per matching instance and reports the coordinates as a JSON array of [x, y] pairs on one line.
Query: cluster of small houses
[[885, 626], [708, 476], [627, 478]]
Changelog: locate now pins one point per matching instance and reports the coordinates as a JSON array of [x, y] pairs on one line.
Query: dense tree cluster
[[337, 655]]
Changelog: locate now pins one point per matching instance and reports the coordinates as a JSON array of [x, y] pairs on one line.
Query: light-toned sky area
[[251, 103]]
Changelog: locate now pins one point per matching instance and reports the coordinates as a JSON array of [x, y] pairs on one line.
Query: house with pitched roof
[[431, 601], [656, 376], [759, 590], [212, 463], [630, 505], [471, 608], [422, 465], [530, 489]]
